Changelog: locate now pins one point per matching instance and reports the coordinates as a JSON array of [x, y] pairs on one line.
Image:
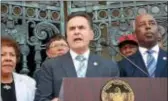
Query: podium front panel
[[89, 89]]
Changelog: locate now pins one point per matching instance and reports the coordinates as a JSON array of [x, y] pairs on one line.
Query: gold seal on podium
[[117, 90]]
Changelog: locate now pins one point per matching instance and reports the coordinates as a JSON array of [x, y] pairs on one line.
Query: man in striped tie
[[79, 62], [150, 58]]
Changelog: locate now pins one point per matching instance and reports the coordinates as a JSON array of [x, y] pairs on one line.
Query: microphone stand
[[111, 46]]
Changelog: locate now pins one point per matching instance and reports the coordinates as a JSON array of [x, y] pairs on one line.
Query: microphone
[[103, 43]]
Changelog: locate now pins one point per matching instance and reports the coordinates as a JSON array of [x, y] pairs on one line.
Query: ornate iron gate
[[31, 23], [113, 19]]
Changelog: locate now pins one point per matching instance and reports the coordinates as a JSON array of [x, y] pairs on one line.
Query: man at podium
[[78, 62]]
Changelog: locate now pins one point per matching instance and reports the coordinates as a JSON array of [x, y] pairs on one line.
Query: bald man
[[146, 30]]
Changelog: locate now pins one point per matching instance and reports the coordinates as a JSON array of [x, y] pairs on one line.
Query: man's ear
[[48, 53], [92, 35]]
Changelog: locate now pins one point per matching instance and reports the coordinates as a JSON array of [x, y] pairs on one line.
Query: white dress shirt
[[154, 54], [76, 63]]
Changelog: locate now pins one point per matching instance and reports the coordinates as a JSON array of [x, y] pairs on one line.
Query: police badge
[[117, 90]]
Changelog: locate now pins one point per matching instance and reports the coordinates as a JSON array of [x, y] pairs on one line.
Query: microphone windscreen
[[103, 43]]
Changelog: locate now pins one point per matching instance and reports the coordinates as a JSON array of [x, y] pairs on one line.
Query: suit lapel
[[161, 62], [68, 65], [93, 67], [140, 62], [19, 91]]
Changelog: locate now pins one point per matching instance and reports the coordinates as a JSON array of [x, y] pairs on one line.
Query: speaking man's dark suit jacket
[[54, 70], [129, 70]]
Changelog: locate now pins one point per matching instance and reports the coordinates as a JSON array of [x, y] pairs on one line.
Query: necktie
[[151, 63], [81, 67]]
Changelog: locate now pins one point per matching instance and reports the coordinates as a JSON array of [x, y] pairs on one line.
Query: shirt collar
[[155, 49], [74, 54]]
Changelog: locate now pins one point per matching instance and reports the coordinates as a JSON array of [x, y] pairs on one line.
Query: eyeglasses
[[58, 45]]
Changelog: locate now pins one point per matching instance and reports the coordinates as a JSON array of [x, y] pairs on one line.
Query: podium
[[90, 89]]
